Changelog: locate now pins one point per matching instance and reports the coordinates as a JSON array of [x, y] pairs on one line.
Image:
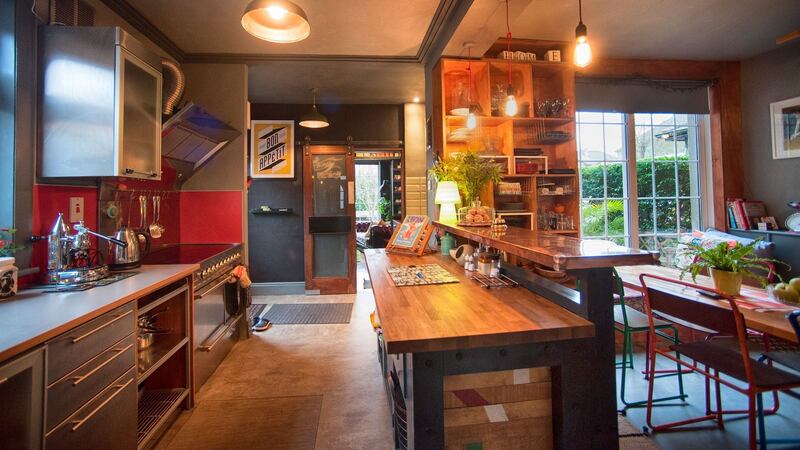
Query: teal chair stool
[[630, 321]]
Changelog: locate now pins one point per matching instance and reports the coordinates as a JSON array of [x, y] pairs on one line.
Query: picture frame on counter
[[785, 118], [412, 235], [272, 149]]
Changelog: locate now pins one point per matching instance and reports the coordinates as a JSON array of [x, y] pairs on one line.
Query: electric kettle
[[130, 256]]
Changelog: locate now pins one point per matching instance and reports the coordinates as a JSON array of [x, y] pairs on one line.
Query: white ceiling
[[342, 27], [665, 29]]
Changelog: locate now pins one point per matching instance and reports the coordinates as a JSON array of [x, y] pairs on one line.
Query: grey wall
[[768, 78], [276, 242]]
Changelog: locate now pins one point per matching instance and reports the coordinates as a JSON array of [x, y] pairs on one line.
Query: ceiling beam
[[254, 58], [129, 14]]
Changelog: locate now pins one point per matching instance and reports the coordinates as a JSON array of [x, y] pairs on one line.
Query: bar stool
[[630, 321]]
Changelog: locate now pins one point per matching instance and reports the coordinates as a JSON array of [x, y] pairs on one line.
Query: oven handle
[[216, 285], [209, 347]]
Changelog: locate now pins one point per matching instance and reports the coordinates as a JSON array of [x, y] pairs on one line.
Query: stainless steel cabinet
[[101, 104], [22, 400]]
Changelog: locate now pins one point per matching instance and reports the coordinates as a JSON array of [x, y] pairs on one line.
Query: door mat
[[262, 423], [309, 313], [631, 438], [254, 311]]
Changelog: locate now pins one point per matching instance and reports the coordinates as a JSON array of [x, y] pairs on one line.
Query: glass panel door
[[330, 219]]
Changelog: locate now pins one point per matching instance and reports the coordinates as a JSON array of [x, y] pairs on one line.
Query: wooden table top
[[554, 250], [32, 317], [772, 322], [462, 315]]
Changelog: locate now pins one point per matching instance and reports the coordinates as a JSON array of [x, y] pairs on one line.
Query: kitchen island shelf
[[155, 408], [154, 356]]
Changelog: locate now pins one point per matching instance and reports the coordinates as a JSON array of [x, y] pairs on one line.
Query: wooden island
[[524, 367]]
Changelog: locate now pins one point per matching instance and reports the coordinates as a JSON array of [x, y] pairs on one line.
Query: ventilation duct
[[174, 82]]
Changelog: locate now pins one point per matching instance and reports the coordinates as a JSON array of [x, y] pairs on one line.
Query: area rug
[[309, 313], [261, 423], [632, 439], [255, 310]]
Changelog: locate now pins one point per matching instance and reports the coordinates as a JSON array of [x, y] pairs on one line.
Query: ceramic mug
[[460, 253]]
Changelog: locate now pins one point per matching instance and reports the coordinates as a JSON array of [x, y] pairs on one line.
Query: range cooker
[[220, 306]]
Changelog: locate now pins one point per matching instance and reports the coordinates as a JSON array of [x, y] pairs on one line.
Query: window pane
[[681, 119], [665, 179], [642, 119], [592, 180], [613, 117], [615, 210], [646, 215], [666, 246], [614, 139], [667, 216], [591, 142], [689, 210], [594, 218], [664, 141], [588, 116], [615, 174], [618, 240], [644, 143], [647, 243], [688, 180], [644, 178], [664, 119]]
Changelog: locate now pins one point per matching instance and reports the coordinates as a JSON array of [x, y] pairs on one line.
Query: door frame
[[329, 285]]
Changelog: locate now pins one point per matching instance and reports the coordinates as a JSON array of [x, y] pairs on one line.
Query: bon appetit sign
[[272, 149]]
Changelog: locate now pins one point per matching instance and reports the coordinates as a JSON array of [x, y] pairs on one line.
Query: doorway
[[329, 206], [379, 196]]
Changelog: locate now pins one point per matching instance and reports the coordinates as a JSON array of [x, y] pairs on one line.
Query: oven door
[[215, 331]]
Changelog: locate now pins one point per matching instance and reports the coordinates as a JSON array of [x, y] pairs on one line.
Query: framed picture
[[272, 149], [412, 235], [785, 128]]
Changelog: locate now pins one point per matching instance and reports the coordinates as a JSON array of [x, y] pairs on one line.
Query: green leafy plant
[[730, 257], [469, 171], [385, 209], [7, 247]]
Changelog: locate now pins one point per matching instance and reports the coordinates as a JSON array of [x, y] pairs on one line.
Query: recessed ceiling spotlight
[[416, 99], [278, 21]]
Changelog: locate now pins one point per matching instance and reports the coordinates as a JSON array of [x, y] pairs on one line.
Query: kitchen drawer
[[79, 386], [107, 421], [79, 345]]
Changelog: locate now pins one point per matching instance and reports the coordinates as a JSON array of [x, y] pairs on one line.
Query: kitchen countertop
[[554, 250], [462, 315], [32, 317]]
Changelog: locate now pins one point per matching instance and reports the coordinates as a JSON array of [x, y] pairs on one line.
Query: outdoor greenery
[[7, 247], [469, 171], [666, 209]]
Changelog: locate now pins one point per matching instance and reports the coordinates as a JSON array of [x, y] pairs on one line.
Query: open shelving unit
[[163, 366], [509, 140]]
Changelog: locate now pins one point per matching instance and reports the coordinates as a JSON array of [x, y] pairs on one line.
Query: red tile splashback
[[211, 216]]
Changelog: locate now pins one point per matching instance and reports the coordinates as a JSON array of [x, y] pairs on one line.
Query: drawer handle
[[85, 335], [209, 290], [120, 387], [78, 380], [208, 348]]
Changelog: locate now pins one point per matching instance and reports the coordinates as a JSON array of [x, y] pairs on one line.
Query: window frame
[[630, 179]]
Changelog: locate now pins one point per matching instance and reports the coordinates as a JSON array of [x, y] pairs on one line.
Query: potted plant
[[727, 263], [469, 171]]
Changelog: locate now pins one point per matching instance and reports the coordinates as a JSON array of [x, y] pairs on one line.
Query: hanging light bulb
[[511, 101], [583, 52]]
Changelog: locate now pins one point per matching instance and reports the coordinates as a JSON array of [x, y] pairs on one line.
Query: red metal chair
[[710, 357]]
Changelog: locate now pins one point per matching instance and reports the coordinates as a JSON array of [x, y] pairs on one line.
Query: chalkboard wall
[[276, 242]]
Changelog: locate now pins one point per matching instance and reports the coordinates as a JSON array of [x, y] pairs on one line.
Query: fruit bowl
[[786, 293]]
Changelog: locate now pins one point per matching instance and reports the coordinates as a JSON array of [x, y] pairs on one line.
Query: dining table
[[761, 313]]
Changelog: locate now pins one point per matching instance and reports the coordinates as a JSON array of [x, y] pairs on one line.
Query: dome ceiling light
[[314, 119], [279, 21]]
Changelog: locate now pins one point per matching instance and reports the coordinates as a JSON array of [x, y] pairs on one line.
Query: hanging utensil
[[156, 229], [142, 212]]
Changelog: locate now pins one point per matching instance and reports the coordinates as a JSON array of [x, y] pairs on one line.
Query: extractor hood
[[192, 137]]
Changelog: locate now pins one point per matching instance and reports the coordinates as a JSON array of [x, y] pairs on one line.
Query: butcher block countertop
[[462, 315], [32, 317], [554, 250]]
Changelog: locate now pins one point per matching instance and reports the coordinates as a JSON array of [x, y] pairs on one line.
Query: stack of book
[[744, 214]]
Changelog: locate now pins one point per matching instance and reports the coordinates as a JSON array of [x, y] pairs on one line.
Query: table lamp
[[447, 196]]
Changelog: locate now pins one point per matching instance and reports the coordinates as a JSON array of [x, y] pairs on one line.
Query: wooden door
[[329, 206]]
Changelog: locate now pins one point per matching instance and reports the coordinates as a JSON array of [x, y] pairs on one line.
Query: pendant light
[[279, 21], [511, 101], [472, 121], [314, 119], [583, 52]]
